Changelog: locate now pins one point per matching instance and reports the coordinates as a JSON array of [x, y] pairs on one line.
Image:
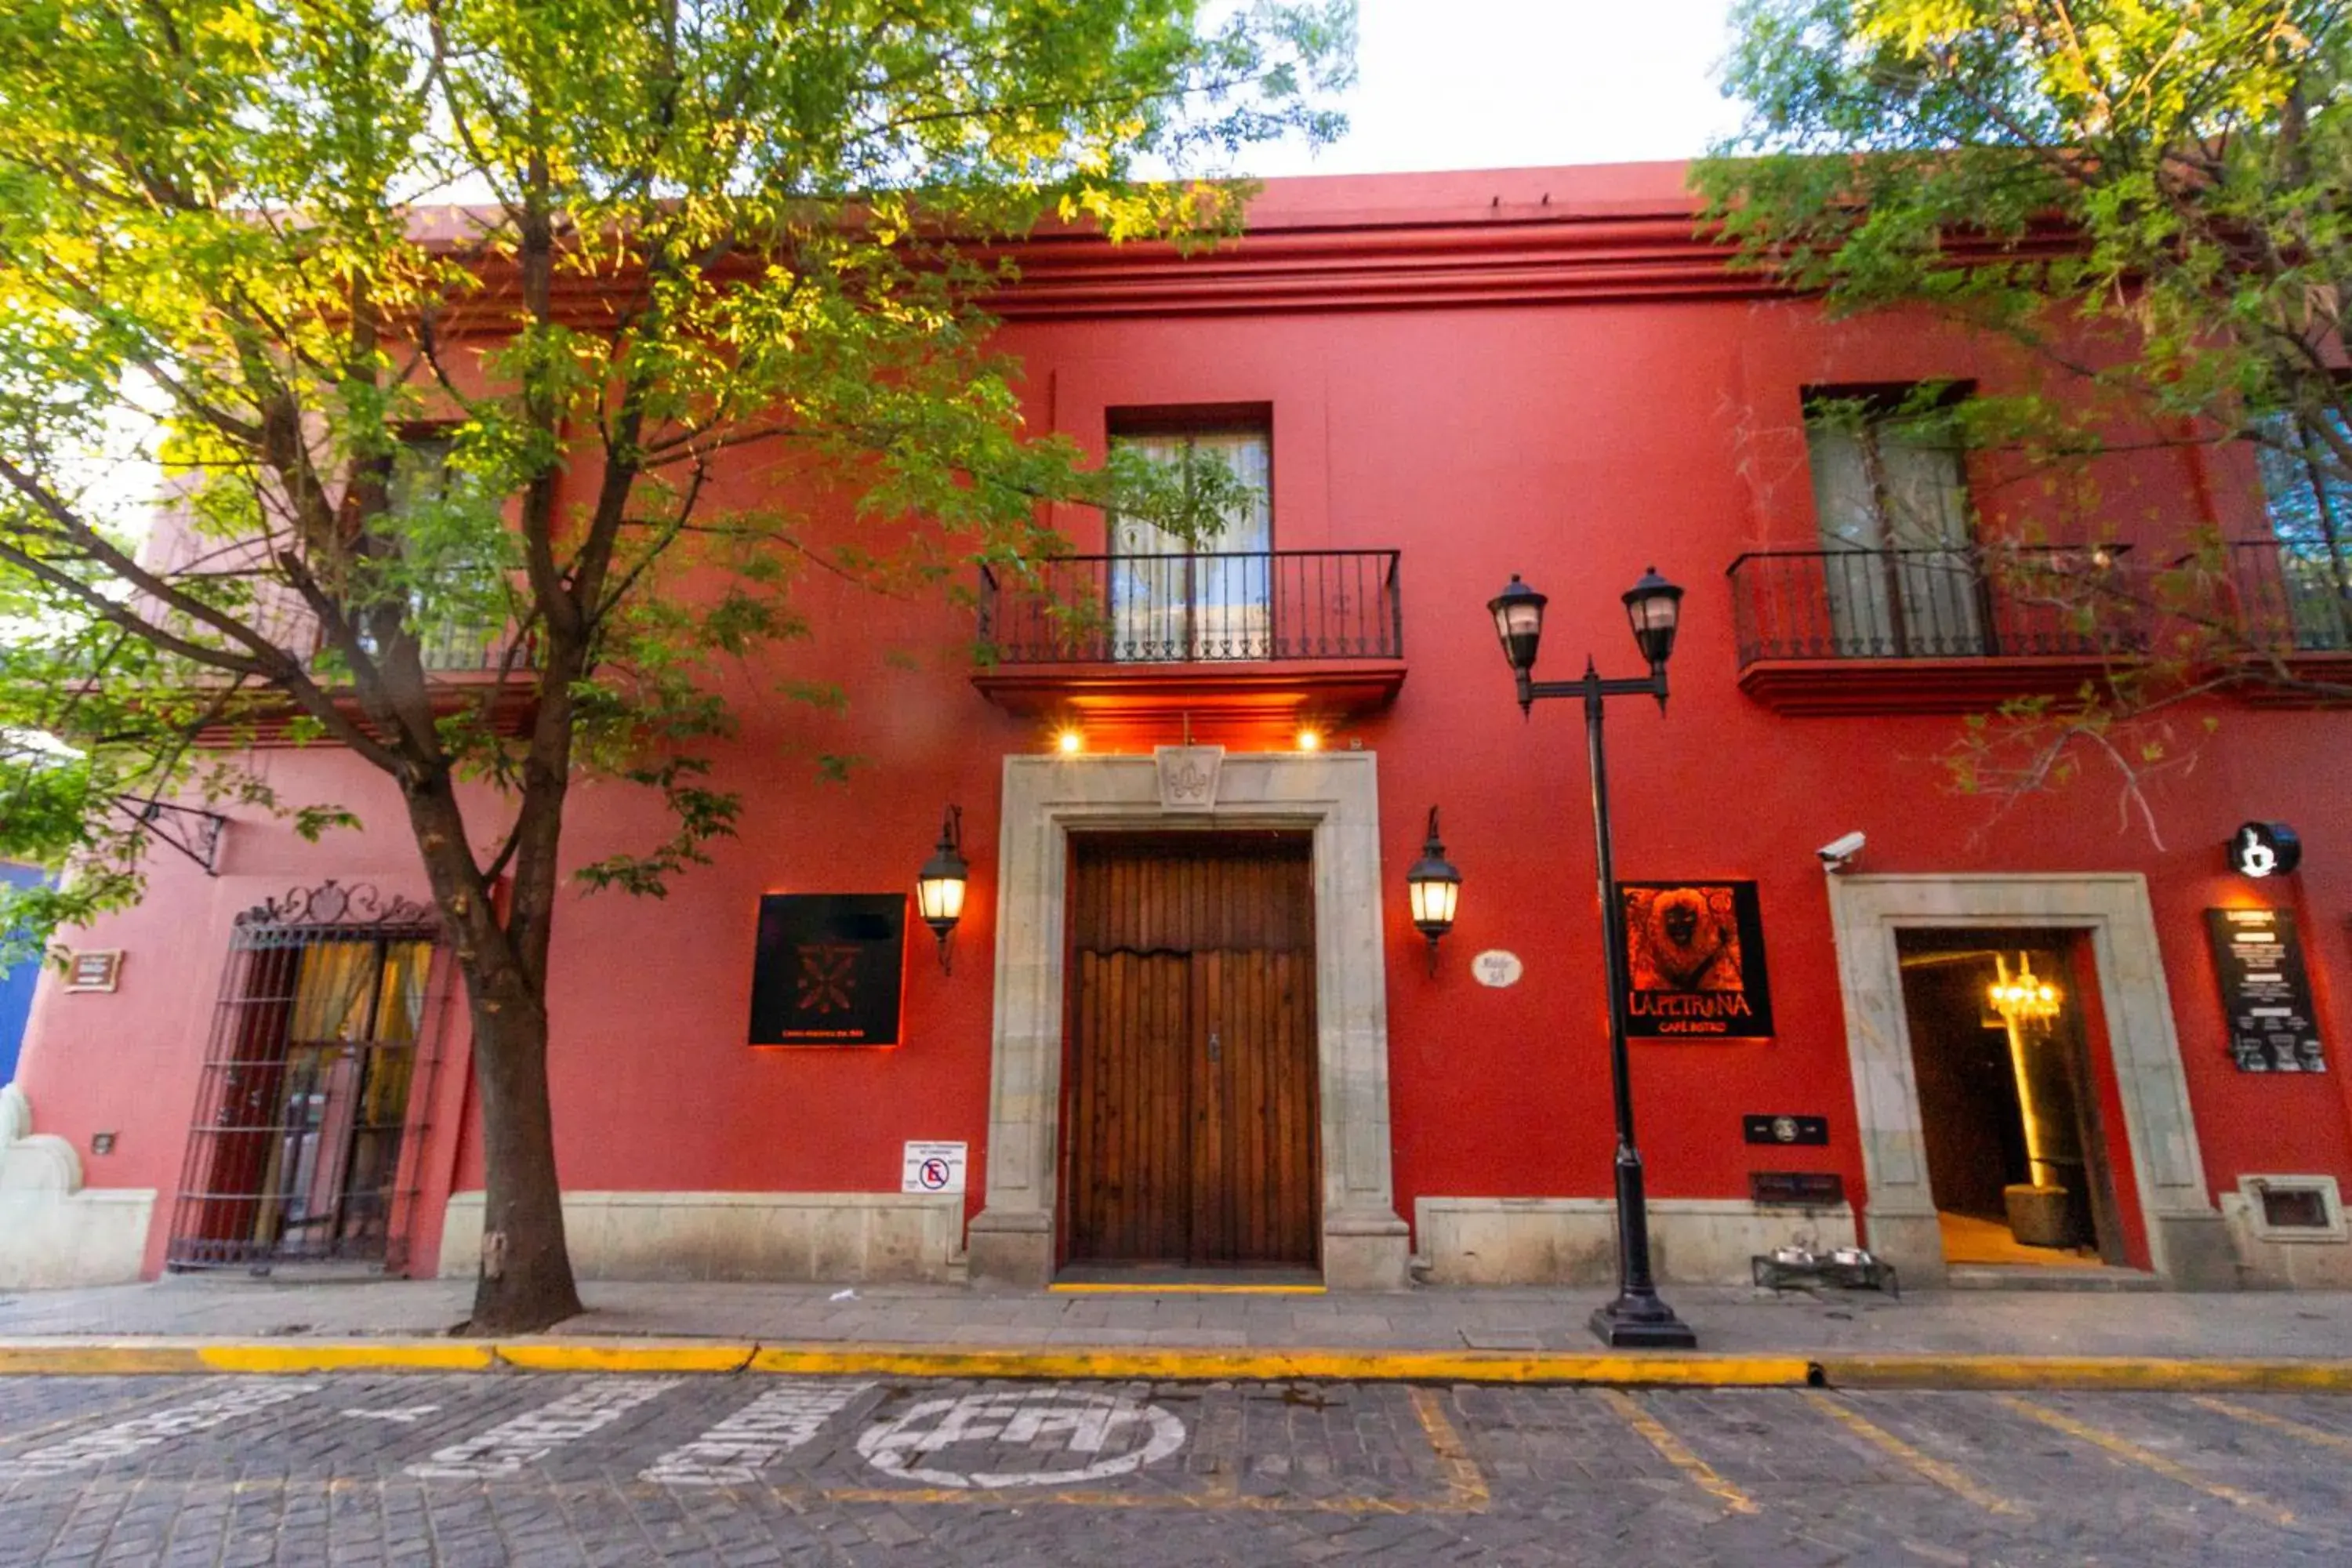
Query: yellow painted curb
[[2148, 1373], [1182, 1365], [389, 1355], [1115, 1290], [88, 1358], [93, 1357], [607, 1356]]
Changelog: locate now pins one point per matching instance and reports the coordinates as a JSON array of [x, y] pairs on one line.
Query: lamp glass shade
[[1434, 892], [1653, 605], [939, 894], [1518, 612]]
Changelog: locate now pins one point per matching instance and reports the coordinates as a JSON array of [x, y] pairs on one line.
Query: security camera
[[1840, 852]]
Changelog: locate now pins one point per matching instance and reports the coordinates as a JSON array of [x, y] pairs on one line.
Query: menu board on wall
[[2265, 991]]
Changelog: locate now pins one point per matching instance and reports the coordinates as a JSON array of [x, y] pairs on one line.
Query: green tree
[[2154, 203], [404, 434]]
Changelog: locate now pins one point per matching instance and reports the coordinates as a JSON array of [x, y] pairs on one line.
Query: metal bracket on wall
[[194, 833]]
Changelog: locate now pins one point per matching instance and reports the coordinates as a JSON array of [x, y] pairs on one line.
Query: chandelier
[[2025, 998]]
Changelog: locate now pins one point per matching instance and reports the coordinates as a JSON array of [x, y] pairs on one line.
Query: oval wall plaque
[[1496, 967]]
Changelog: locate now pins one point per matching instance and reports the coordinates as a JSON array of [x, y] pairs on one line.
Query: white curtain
[[1168, 601], [1893, 510]]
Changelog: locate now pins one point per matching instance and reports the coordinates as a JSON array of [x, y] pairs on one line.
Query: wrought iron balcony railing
[[1203, 608], [1956, 603], [2294, 597]]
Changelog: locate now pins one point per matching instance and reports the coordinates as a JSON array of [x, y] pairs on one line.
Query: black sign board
[[1786, 1129], [1812, 1189], [828, 968], [2265, 991], [1694, 961]]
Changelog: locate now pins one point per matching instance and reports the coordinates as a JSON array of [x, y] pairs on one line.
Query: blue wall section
[[17, 986]]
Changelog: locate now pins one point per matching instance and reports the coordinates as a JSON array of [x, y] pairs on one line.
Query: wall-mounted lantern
[[939, 886], [2264, 849], [1434, 888]]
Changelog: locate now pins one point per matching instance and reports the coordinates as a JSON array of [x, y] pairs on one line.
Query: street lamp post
[[1637, 1318]]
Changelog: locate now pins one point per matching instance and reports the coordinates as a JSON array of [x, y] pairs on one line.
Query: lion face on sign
[[1687, 943]]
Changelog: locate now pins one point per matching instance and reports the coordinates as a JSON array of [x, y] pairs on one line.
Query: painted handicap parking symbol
[[1110, 1434]]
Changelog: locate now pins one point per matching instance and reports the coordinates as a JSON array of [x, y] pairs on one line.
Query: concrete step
[[2036, 1276]]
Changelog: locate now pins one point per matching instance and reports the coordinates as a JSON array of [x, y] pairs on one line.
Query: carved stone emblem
[[1188, 776]]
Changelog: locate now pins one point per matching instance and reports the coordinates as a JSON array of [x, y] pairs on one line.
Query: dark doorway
[[1191, 1103], [2017, 1154]]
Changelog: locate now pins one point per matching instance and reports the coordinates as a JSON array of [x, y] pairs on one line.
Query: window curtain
[[1898, 573], [1172, 599]]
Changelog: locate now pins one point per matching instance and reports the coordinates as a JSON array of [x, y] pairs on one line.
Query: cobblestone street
[[742, 1470]]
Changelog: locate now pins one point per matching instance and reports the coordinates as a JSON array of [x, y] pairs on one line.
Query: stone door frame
[[2188, 1243], [1333, 796]]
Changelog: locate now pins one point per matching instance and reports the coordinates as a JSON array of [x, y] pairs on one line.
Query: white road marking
[[734, 1452], [1086, 1422], [406, 1414], [506, 1449], [125, 1438]]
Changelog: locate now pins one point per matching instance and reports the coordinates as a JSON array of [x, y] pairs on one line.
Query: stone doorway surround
[[2188, 1243], [1333, 795]]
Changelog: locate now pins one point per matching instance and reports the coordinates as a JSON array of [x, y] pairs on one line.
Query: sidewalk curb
[[99, 1357], [2141, 1374]]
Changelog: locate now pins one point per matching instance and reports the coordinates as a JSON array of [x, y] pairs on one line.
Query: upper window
[[1172, 598], [458, 611], [2310, 505], [1890, 491]]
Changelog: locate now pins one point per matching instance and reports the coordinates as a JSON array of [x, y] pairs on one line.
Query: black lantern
[[1518, 612], [1434, 888], [1655, 607], [939, 886]]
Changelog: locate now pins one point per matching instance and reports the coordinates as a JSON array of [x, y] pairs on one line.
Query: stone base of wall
[[55, 1232], [2322, 1262], [1573, 1241], [881, 1238]]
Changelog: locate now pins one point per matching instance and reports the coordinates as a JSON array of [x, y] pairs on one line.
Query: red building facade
[[1189, 1019]]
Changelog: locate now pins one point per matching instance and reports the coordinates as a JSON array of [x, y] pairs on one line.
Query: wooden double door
[[1190, 1113]]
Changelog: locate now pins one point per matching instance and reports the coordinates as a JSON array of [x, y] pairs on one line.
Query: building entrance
[[2002, 1048], [1190, 1110]]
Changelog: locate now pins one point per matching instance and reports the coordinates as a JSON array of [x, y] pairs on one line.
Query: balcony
[[1274, 634], [2296, 598], [2294, 601], [470, 666], [1931, 630]]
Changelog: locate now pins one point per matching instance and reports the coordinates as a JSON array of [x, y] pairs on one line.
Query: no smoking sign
[[933, 1168]]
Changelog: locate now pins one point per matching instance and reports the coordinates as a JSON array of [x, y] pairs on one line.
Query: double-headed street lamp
[[1637, 1317]]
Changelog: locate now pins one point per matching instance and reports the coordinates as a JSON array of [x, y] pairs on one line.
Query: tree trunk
[[525, 1282]]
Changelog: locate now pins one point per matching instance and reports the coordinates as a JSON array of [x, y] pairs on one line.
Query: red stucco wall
[[1572, 442]]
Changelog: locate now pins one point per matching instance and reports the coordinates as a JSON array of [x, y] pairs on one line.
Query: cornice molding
[[1508, 259]]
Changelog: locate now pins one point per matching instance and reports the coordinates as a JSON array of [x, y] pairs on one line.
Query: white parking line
[[138, 1433], [506, 1448], [734, 1452]]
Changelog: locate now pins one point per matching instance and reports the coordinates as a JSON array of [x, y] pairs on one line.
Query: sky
[[1478, 84]]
